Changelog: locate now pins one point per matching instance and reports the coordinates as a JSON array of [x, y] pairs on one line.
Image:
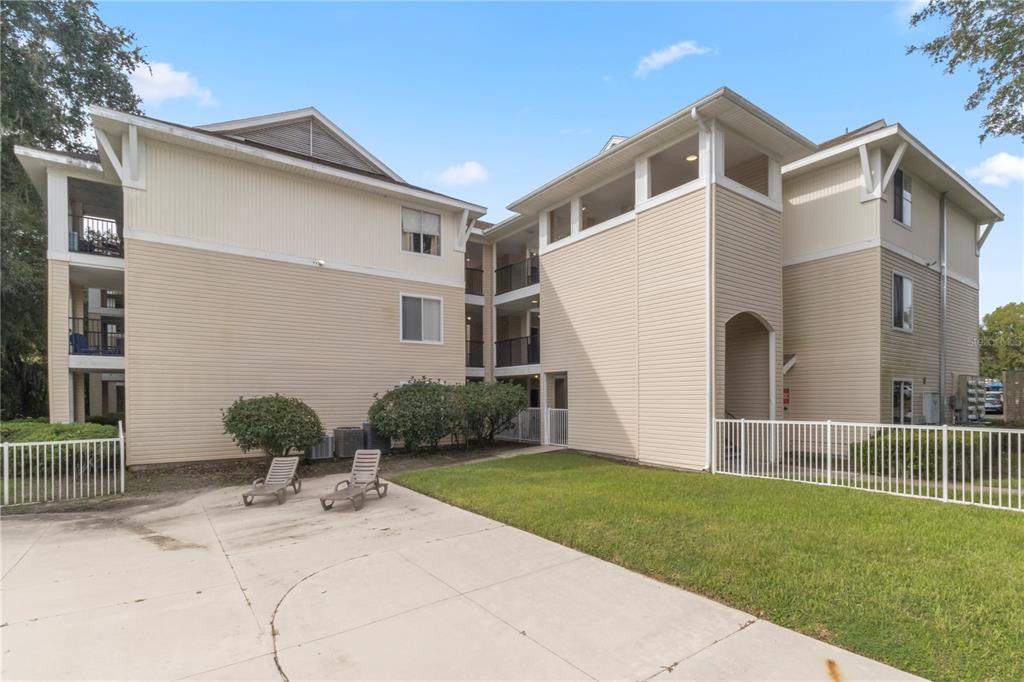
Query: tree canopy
[[988, 36], [58, 57], [1002, 340]]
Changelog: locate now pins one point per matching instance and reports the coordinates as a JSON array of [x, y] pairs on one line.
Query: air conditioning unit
[[322, 450]]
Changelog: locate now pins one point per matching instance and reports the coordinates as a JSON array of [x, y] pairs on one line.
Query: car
[[993, 402]]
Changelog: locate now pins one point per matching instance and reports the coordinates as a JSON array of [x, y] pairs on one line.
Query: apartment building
[[716, 264], [720, 265], [190, 266]]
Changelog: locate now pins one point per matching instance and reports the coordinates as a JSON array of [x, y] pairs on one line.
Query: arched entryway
[[749, 367]]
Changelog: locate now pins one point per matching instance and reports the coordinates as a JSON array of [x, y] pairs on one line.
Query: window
[[421, 319], [559, 223], [901, 187], [607, 202], [421, 232], [902, 302], [902, 401]]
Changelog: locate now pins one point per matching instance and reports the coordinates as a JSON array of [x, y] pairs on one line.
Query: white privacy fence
[[979, 466], [63, 470], [558, 426], [526, 427]]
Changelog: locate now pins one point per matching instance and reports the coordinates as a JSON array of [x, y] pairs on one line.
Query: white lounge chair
[[364, 477], [279, 477]]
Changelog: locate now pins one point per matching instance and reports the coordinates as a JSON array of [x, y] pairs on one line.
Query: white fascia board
[[57, 159], [298, 114], [850, 146], [223, 144]]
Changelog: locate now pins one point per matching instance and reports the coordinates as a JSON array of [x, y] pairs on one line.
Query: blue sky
[[488, 101]]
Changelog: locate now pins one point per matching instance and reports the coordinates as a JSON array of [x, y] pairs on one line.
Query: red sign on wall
[[785, 396]]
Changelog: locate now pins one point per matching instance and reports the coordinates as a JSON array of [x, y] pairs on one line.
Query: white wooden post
[[828, 451], [743, 447], [945, 458], [6, 477], [120, 441]]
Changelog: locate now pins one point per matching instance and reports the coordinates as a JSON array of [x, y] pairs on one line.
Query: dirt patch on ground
[[157, 487]]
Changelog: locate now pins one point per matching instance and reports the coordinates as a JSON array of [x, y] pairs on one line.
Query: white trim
[[59, 159], [87, 260], [297, 115], [475, 372], [772, 385], [517, 294], [516, 370], [112, 362], [866, 244], [669, 195], [708, 144], [190, 243], [590, 232], [227, 145], [788, 365], [733, 186], [475, 299], [984, 231], [421, 297], [894, 165]]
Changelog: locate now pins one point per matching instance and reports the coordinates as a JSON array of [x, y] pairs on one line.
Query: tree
[[1002, 340], [988, 36], [58, 57]]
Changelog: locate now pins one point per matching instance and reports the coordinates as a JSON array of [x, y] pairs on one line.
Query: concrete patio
[[408, 588]]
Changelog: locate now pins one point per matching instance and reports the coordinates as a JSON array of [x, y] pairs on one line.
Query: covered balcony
[[95, 218], [518, 344], [517, 266], [474, 269], [95, 336]]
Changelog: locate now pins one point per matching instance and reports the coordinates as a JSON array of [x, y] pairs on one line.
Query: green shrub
[[919, 452], [419, 413], [40, 430], [110, 419], [487, 409], [274, 423]]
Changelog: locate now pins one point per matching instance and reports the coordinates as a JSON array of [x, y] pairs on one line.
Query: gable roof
[[306, 132]]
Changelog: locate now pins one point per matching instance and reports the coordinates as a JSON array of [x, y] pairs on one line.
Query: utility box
[[969, 402], [322, 450], [375, 440], [348, 439], [1013, 395]]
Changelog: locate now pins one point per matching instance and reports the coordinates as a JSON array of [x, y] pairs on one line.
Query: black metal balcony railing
[[99, 236], [475, 281], [91, 336], [474, 353], [524, 350], [112, 299], [517, 275]]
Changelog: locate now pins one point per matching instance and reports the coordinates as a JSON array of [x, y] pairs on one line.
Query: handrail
[[517, 275]]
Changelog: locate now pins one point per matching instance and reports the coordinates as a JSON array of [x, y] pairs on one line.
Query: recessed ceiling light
[[468, 317], [691, 157], [533, 301], [536, 376]]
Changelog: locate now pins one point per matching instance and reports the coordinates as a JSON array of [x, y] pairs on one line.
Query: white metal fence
[[63, 470], [526, 427], [979, 466], [558, 426]]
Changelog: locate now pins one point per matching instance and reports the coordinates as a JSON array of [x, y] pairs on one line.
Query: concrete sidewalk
[[408, 588]]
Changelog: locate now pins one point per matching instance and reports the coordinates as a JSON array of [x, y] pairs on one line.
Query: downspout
[[943, 301], [709, 283]]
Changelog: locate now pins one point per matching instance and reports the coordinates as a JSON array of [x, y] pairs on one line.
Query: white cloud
[[908, 8], [659, 59], [158, 81], [466, 173], [999, 170]]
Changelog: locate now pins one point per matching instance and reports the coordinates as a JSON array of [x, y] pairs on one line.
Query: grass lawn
[[935, 589]]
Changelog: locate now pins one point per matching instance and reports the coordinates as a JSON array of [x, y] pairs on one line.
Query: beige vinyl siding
[[672, 323], [915, 355], [748, 278], [822, 211], [961, 241], [746, 372], [590, 333], [215, 199], [831, 321], [752, 173], [58, 298], [204, 328]]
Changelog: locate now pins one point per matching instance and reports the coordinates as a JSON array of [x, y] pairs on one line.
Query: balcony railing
[[92, 336], [524, 350], [474, 353], [517, 275], [475, 281], [99, 236], [111, 299]]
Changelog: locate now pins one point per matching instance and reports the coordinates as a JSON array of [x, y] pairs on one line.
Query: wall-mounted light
[[691, 157], [319, 262]]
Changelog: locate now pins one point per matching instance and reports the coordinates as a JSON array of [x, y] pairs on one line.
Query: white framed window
[[902, 401], [901, 197], [902, 302], [421, 232], [421, 319]]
